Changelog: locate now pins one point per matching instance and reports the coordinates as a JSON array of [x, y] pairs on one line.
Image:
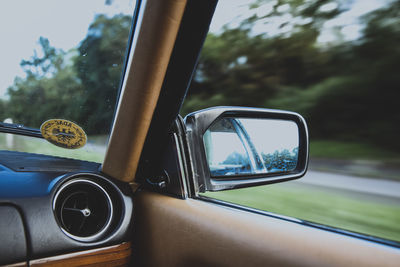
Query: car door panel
[[192, 232]]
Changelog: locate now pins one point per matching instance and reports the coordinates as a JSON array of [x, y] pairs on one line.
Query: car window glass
[[336, 63], [62, 60]]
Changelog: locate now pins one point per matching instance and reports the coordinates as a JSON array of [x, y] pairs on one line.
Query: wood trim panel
[[19, 264], [118, 255]]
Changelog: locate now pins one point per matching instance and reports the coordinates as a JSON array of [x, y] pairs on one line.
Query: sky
[[267, 136], [234, 11], [65, 24]]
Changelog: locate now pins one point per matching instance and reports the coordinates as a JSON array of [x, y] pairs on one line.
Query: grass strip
[[353, 213]]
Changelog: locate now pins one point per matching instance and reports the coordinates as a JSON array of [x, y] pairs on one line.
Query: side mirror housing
[[235, 147]]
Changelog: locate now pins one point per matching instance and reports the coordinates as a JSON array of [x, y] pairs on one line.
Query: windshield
[[62, 60]]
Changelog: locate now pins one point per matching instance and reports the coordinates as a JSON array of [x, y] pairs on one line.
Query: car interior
[[142, 206]]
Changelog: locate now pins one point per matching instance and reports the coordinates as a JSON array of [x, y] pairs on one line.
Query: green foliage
[[80, 85], [51, 61], [3, 110], [47, 91], [34, 99], [347, 91], [338, 96], [283, 160], [99, 66], [237, 67], [350, 151]]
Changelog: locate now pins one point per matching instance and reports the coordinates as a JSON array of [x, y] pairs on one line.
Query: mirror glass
[[243, 146]]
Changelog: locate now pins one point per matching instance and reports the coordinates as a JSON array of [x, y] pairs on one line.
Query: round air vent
[[83, 209]]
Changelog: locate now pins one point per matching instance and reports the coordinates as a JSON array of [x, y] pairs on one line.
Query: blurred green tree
[[47, 91], [99, 67], [358, 100], [81, 85], [241, 67], [347, 90], [3, 110]]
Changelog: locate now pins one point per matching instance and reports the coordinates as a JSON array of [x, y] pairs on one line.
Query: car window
[[62, 60], [336, 63]]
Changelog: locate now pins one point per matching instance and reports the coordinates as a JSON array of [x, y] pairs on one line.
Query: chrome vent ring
[[83, 209]]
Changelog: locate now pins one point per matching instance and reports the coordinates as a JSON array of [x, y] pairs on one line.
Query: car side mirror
[[235, 147]]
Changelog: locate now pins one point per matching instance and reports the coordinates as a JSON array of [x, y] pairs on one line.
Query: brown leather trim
[[118, 255], [175, 232], [142, 84]]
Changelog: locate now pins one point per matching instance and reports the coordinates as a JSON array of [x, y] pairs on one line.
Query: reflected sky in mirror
[[283, 134], [251, 146]]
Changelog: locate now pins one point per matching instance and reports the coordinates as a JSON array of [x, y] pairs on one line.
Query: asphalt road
[[378, 187]]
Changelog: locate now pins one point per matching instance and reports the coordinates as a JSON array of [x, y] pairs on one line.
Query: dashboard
[[52, 206]]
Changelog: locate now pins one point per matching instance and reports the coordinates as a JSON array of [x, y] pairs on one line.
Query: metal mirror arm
[[254, 156]]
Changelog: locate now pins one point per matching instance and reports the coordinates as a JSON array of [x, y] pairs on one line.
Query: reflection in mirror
[[243, 146]]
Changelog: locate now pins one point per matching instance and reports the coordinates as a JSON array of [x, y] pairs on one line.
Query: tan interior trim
[[19, 264], [150, 53], [118, 255], [175, 232]]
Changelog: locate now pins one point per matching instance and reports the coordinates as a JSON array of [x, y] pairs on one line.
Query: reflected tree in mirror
[[243, 146]]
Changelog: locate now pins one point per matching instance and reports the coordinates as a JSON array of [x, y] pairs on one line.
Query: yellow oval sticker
[[63, 133]]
